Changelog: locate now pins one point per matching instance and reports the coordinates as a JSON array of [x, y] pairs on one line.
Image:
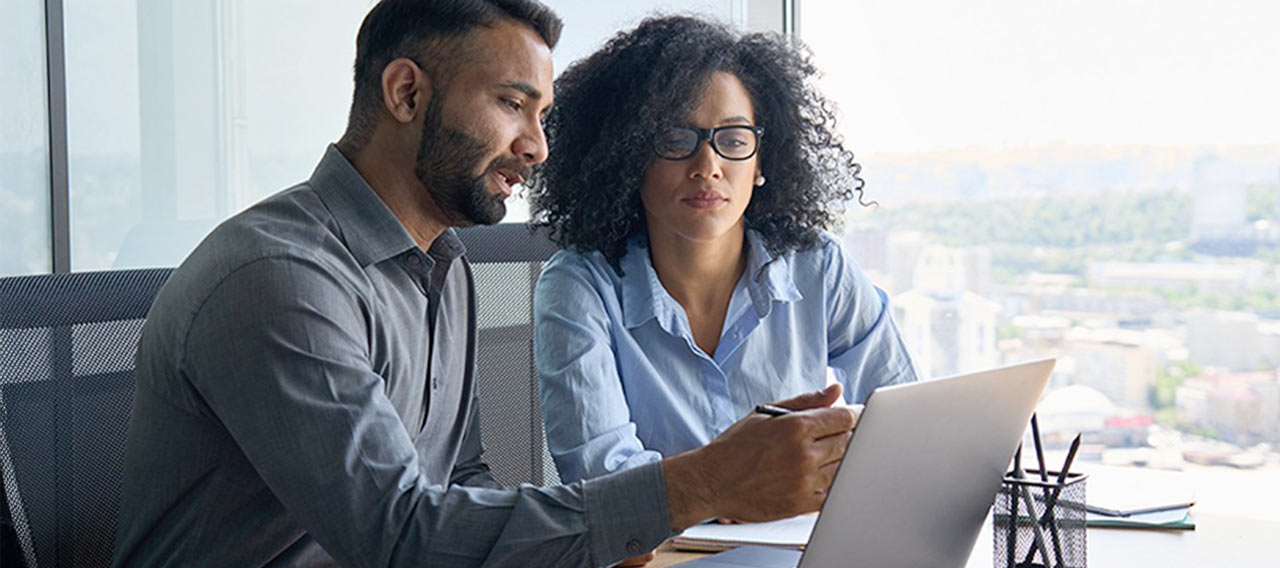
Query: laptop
[[920, 473]]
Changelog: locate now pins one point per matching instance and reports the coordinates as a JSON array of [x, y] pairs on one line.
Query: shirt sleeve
[[470, 468], [864, 346], [589, 427], [279, 352]]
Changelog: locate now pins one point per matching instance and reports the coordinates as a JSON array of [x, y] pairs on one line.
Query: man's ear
[[406, 88]]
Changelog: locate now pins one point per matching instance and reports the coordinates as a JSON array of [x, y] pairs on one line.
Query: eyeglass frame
[[709, 134]]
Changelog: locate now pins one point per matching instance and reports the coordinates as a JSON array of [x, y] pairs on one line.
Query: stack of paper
[[1173, 519], [711, 537], [1122, 497]]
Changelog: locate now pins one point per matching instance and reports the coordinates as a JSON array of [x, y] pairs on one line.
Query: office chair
[[67, 344], [505, 262]]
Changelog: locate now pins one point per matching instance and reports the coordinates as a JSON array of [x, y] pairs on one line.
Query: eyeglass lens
[[730, 142]]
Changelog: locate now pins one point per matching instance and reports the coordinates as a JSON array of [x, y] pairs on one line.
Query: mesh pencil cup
[[1040, 524]]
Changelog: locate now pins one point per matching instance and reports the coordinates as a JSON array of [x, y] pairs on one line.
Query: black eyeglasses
[[735, 142]]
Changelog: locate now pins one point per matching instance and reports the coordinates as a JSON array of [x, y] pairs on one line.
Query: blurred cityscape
[[1152, 275]]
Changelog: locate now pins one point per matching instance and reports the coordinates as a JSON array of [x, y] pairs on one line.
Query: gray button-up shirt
[[306, 396]]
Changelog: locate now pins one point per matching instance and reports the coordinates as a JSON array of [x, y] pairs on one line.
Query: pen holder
[[1040, 524]]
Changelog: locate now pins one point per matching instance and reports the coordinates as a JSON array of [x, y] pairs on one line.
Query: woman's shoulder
[[574, 260], [824, 253], [571, 268], [827, 263]]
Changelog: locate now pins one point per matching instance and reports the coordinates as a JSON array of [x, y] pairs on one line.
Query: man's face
[[482, 132]]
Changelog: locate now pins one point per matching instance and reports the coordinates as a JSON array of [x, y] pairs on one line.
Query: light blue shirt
[[624, 384]]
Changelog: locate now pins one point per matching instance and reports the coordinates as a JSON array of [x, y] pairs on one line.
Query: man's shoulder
[[291, 228]]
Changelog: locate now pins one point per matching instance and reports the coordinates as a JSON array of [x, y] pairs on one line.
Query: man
[[305, 391]]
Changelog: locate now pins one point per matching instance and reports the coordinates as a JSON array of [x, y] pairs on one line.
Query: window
[[24, 142], [1097, 181], [183, 113], [180, 114]]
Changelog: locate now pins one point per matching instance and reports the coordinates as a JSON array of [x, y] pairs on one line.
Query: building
[[1120, 363], [1227, 276], [1269, 342], [1242, 408], [904, 250], [1229, 340], [948, 328], [1219, 211], [1073, 409], [869, 246]]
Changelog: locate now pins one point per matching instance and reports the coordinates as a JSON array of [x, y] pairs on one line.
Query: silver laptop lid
[[922, 469]]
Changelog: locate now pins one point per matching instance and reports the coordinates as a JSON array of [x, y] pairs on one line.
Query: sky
[[914, 75], [909, 75]]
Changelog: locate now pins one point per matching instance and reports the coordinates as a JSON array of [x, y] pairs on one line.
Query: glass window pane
[[24, 141], [1101, 190], [182, 113]]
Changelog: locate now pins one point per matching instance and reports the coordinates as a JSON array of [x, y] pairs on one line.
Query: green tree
[[1168, 379]]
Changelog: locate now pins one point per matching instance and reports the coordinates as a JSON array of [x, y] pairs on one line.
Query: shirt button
[[633, 547], [414, 259], [435, 383]]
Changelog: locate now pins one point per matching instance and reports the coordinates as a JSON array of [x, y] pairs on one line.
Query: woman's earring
[[759, 180]]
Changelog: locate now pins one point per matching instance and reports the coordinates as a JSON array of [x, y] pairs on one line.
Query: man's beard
[[446, 160]]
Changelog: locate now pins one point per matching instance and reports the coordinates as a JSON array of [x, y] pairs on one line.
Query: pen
[[771, 410], [1044, 477], [1057, 491], [1037, 534], [1071, 455], [1011, 547], [1035, 437]]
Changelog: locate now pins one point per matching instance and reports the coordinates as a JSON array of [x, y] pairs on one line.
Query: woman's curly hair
[[610, 106]]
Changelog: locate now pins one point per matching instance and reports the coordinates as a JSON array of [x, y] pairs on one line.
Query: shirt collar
[[769, 279], [769, 275], [642, 292], [368, 226]]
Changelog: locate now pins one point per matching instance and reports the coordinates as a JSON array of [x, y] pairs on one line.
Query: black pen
[[1035, 437], [771, 410], [1057, 491], [1044, 477], [1071, 455], [1011, 547]]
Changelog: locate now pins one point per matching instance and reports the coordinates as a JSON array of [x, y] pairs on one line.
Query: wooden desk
[[1217, 541]]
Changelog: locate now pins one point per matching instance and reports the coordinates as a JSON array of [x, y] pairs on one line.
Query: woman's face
[[703, 197]]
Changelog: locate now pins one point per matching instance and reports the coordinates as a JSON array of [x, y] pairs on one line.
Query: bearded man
[[306, 393]]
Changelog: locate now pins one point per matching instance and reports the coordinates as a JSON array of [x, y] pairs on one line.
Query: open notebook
[[712, 537], [1124, 491]]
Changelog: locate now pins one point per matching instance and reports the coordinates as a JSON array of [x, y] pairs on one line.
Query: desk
[[1217, 541]]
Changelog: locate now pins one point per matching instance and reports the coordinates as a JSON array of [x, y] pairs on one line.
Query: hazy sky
[[910, 75], [297, 58], [914, 75]]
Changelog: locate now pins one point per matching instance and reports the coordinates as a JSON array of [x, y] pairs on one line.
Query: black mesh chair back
[[67, 345], [505, 261]]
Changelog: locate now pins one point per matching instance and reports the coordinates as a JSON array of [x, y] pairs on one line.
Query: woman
[[691, 174]]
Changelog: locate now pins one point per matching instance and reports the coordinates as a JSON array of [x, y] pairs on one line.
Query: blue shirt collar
[[644, 298], [372, 232]]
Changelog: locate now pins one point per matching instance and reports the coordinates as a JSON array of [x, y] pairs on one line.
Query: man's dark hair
[[421, 30], [610, 106]]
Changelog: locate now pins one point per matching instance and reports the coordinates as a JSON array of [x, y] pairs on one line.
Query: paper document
[[1121, 491], [1173, 519], [786, 533]]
